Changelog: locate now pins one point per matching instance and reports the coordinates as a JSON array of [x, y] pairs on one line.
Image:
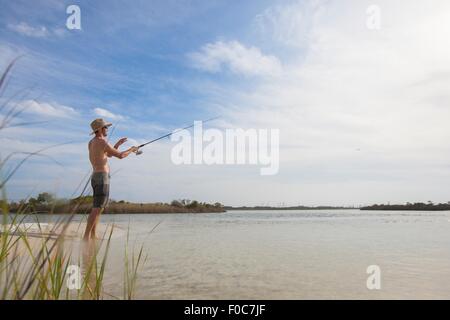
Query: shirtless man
[[99, 152]]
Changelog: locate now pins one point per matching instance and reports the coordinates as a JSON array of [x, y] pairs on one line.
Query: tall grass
[[35, 265]]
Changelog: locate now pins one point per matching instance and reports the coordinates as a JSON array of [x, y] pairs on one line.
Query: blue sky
[[360, 112], [125, 56]]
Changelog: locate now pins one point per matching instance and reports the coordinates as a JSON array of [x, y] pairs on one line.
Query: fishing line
[[139, 152]]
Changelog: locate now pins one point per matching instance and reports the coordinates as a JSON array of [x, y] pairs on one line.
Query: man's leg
[[96, 221], [91, 223], [100, 186]]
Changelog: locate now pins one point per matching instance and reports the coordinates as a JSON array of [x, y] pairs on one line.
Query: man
[[99, 151]]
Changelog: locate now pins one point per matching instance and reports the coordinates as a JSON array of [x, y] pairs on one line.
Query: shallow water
[[301, 254]]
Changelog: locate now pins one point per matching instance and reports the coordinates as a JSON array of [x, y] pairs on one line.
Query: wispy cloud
[[107, 114], [24, 29], [237, 58], [291, 23], [27, 30], [47, 109]]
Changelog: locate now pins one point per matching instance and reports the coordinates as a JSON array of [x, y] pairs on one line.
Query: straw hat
[[98, 124]]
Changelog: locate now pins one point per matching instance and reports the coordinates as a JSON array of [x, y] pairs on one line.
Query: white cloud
[[47, 109], [107, 114], [214, 57], [289, 24], [60, 32], [355, 107], [36, 32], [27, 30]]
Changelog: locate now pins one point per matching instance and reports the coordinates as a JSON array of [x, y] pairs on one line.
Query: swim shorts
[[100, 186]]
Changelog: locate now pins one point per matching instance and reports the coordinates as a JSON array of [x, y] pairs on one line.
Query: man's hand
[[111, 151], [120, 142]]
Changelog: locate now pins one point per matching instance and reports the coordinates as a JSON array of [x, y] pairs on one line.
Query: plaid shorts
[[100, 186]]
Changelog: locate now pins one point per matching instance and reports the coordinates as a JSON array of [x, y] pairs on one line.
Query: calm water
[[299, 254]]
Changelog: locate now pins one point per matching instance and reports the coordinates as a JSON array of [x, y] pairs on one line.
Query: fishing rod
[[139, 152]]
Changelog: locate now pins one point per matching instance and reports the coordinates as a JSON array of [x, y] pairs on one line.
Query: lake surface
[[301, 254]]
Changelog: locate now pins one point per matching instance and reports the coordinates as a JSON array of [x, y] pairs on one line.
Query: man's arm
[[113, 152], [117, 145]]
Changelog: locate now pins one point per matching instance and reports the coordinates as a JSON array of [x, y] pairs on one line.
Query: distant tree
[[176, 203], [185, 202], [33, 201], [82, 199], [45, 198], [193, 204]]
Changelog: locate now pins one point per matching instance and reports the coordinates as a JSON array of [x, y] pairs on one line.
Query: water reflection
[[89, 269]]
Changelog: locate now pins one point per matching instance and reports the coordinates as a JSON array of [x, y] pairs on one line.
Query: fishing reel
[[139, 152]]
